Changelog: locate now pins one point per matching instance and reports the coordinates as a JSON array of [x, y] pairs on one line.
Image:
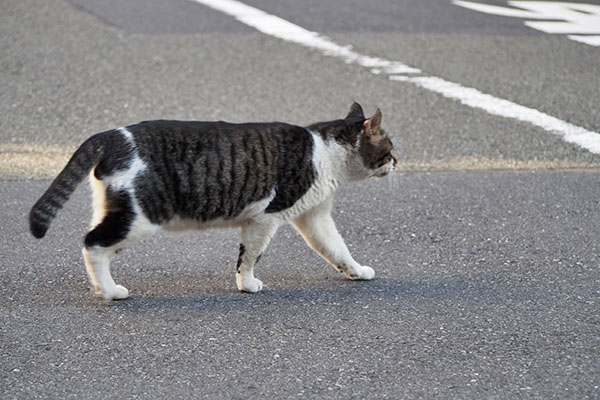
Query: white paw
[[249, 284], [116, 293], [363, 273]]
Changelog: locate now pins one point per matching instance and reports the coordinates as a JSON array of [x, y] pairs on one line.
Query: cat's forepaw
[[249, 284], [363, 273], [116, 293]]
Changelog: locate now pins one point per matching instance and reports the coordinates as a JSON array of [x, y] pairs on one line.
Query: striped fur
[[85, 158], [175, 175]]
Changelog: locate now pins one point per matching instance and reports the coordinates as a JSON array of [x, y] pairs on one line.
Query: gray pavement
[[406, 16], [487, 281], [487, 287]]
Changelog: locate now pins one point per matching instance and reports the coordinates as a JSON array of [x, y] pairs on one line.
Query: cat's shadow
[[229, 299], [326, 293]]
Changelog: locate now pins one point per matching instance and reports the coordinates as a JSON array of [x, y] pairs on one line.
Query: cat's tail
[[87, 156]]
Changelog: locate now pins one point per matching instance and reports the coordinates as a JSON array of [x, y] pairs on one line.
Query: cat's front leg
[[319, 231], [255, 238]]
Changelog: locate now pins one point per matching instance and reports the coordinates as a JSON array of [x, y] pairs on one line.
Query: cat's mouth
[[387, 171]]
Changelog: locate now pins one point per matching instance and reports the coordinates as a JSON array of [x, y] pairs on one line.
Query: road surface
[[484, 243]]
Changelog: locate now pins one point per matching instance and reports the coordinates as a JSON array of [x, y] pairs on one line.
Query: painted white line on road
[[504, 108], [282, 29], [591, 40], [558, 17]]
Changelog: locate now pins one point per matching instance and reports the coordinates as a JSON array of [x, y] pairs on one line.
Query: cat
[[176, 175]]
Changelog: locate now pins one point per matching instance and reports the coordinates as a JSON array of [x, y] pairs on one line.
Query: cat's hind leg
[[97, 263], [119, 228], [319, 231], [255, 238]]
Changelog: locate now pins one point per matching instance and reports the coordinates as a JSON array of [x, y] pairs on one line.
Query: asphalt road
[[487, 287], [487, 280]]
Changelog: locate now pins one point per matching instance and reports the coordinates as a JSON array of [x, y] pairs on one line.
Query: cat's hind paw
[[249, 284]]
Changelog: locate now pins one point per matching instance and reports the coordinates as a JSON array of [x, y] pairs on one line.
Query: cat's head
[[372, 147]]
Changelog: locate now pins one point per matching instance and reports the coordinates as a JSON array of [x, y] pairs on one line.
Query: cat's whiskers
[[391, 182]]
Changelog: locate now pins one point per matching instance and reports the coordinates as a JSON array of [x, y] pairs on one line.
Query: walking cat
[[175, 175]]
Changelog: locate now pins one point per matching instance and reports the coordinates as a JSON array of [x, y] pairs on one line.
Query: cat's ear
[[372, 126], [356, 112]]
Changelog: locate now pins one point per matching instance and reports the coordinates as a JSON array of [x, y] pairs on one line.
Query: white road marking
[[560, 17], [591, 40], [282, 29], [504, 108]]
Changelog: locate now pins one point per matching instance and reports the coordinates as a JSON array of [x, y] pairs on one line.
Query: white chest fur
[[329, 160]]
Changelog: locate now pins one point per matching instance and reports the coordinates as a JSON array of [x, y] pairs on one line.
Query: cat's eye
[[384, 159]]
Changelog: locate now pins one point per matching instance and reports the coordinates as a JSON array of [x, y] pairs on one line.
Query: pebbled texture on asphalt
[[487, 286]]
